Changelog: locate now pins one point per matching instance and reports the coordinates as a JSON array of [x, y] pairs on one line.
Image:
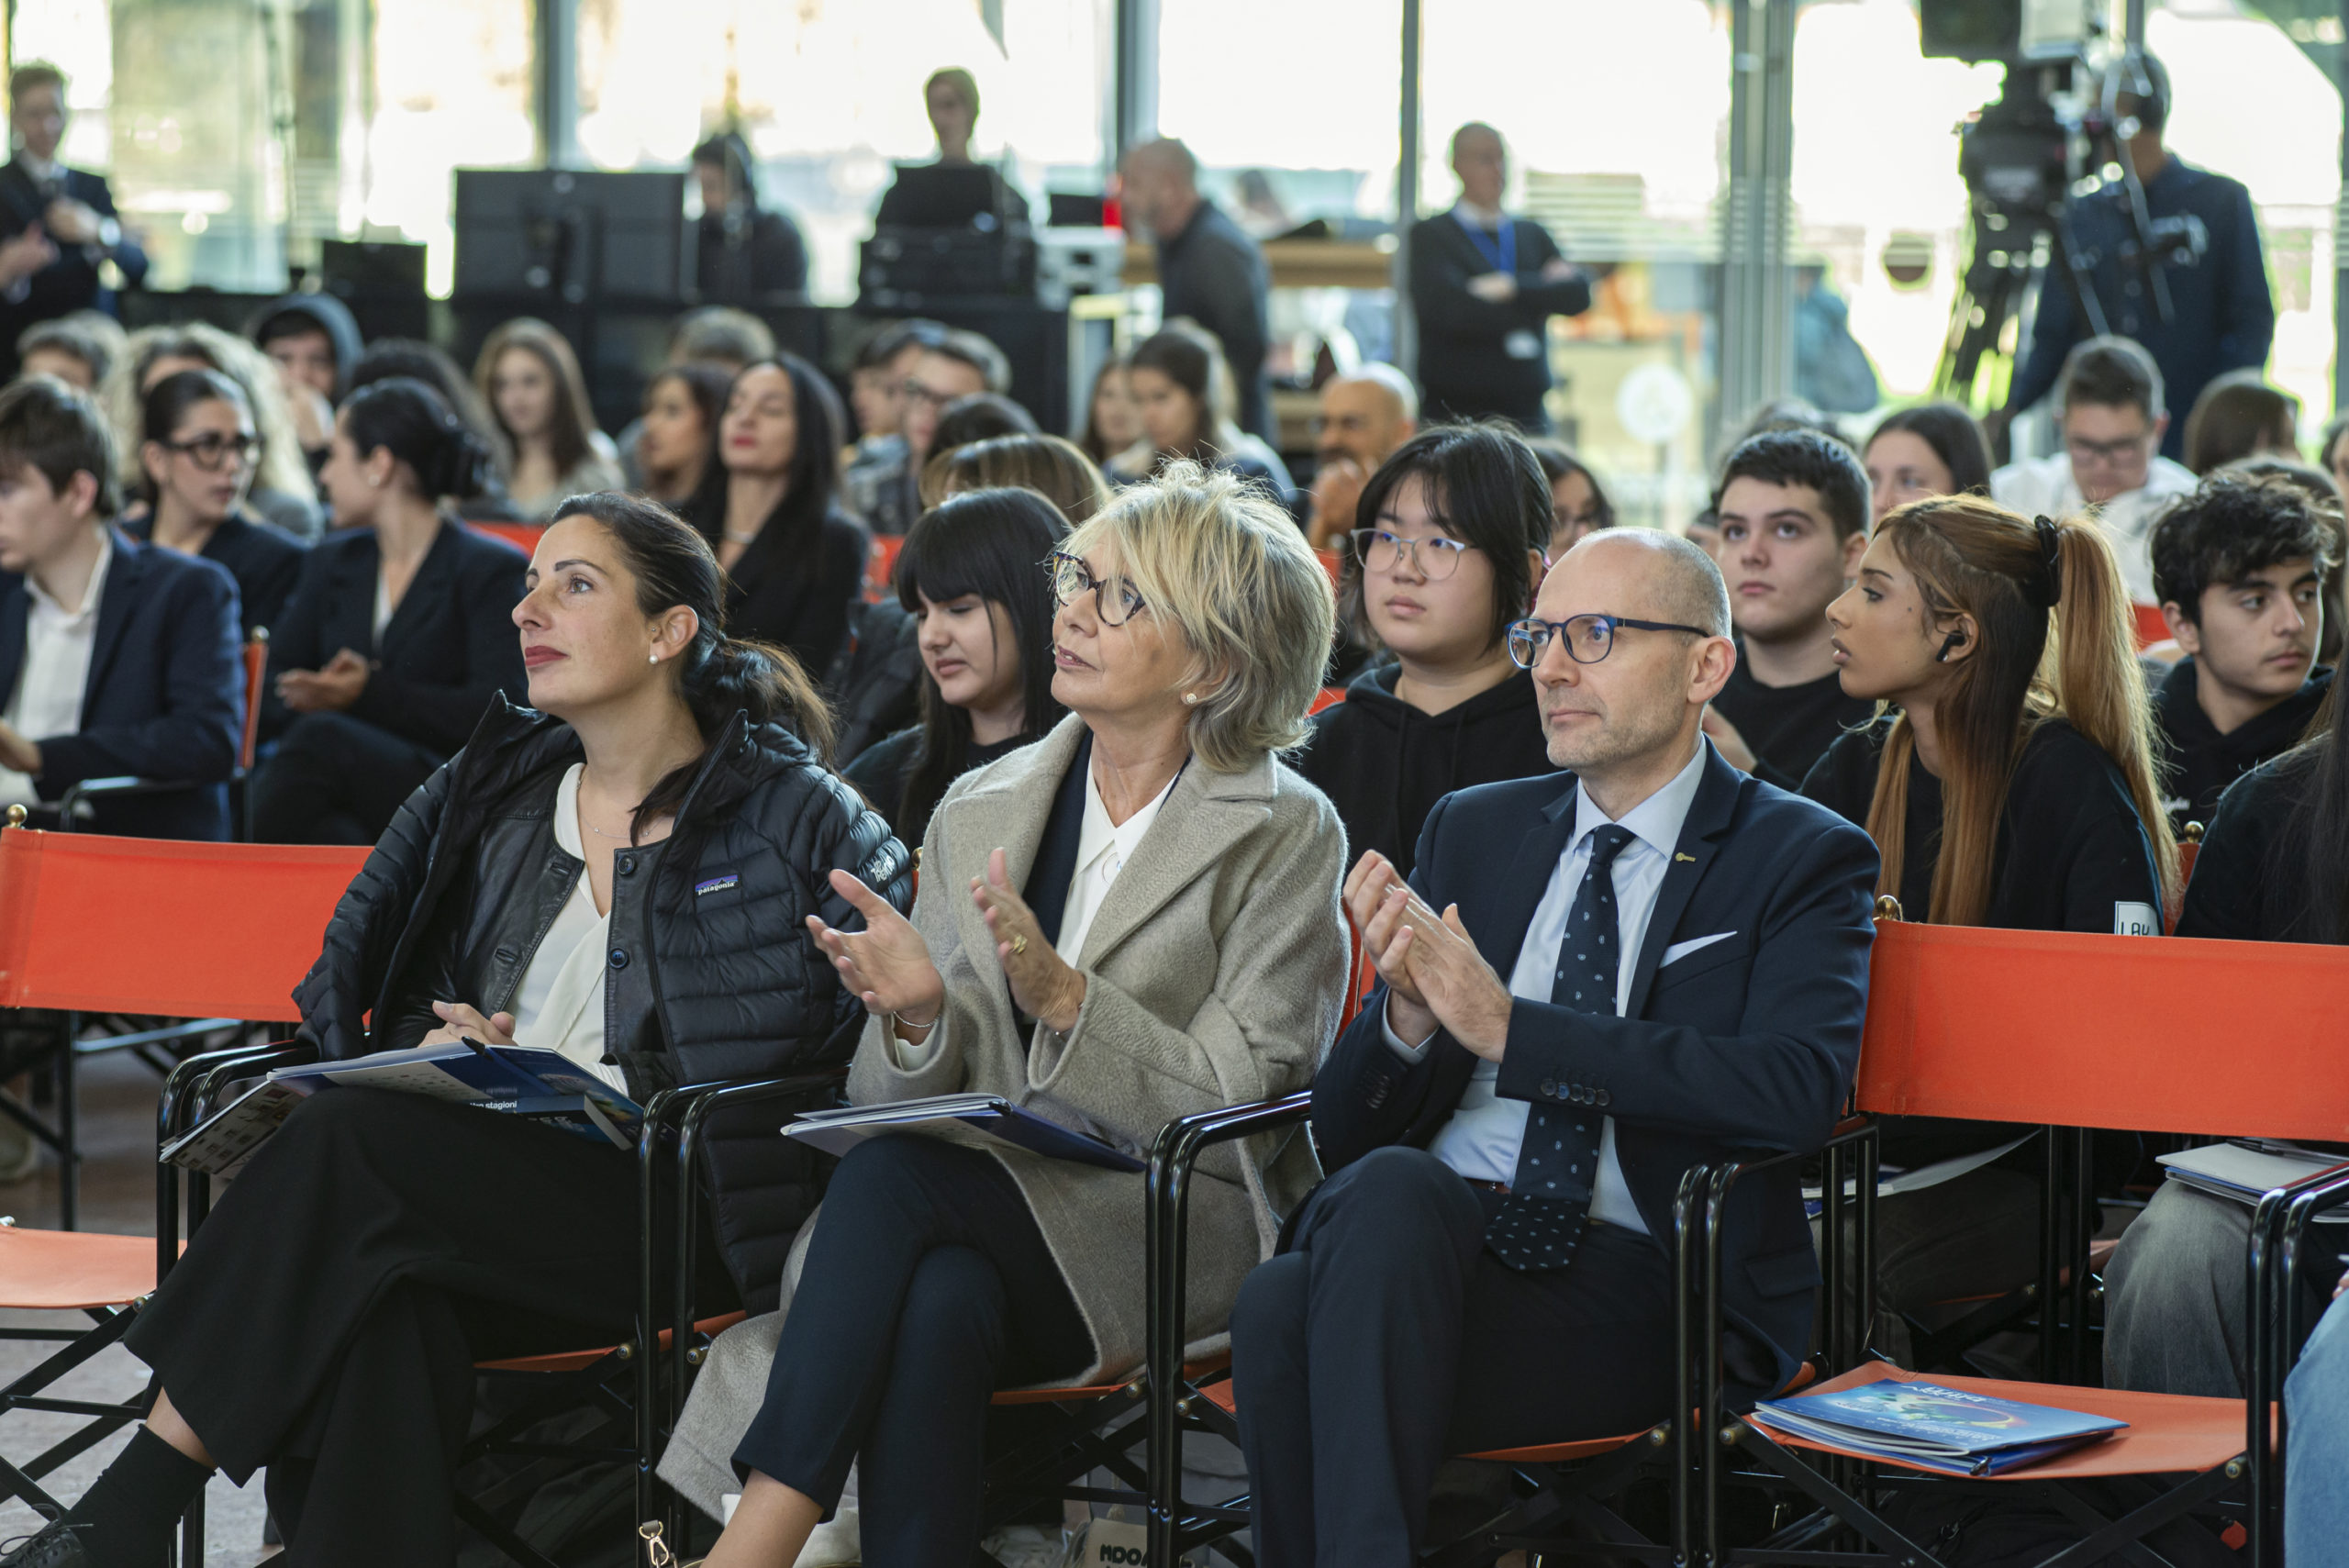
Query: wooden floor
[[118, 1195]]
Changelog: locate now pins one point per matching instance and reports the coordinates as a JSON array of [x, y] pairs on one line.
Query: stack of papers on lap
[[837, 1132], [2245, 1173], [1934, 1427]]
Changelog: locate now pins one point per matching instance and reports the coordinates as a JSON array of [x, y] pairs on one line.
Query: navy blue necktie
[[1549, 1197]]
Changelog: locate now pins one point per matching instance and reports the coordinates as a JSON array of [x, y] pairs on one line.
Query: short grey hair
[[1224, 570], [1688, 582], [1387, 378]]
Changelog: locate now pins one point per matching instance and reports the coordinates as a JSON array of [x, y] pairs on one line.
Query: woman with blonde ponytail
[[2009, 781]]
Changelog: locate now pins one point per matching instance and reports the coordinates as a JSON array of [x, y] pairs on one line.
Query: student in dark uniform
[[1485, 285], [1792, 510], [1992, 805], [198, 451], [2239, 567], [1449, 556]]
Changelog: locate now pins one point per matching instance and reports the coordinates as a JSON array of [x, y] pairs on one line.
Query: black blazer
[[791, 588], [265, 562], [1745, 1046], [165, 698], [448, 648], [1463, 363], [70, 283]]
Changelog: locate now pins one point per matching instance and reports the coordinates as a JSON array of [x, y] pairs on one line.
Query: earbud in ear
[[1950, 644]]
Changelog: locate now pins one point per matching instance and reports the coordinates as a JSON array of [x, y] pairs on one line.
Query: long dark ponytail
[[722, 675]]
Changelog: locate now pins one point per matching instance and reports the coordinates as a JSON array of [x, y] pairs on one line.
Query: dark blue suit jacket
[[165, 698], [1745, 1046], [72, 281]]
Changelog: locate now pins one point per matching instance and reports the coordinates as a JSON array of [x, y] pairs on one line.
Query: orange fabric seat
[[881, 567], [1191, 1373], [2167, 1433], [72, 1270], [574, 1361], [523, 537], [1328, 696]]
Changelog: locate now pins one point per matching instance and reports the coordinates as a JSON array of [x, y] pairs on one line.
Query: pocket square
[[1679, 950]]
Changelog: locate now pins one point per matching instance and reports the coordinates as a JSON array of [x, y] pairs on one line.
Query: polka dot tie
[[1549, 1197]]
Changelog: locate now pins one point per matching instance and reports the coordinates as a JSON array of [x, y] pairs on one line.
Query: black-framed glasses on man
[[1379, 550], [1589, 639], [210, 452], [921, 391], [1114, 598]]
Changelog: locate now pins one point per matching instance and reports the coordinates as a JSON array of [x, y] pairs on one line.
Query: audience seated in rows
[[946, 364], [283, 493], [1578, 503], [325, 1321], [2240, 566], [1137, 918], [314, 341], [1689, 952], [1182, 385], [1112, 423], [1792, 509], [398, 634], [716, 336], [1932, 449], [1995, 798], [530, 380], [2239, 415], [388, 357], [118, 659], [1365, 415], [676, 440], [983, 619], [1447, 559], [2111, 417], [197, 446], [793, 560], [79, 349]]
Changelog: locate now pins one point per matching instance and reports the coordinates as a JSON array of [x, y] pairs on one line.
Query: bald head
[[1366, 415], [1481, 161], [1160, 186], [1674, 580]]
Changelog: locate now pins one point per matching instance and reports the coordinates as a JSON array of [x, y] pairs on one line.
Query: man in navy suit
[[117, 659], [1652, 962], [57, 225]]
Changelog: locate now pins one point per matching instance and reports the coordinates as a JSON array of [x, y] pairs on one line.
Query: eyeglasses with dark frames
[[1114, 598], [1588, 639], [211, 452]]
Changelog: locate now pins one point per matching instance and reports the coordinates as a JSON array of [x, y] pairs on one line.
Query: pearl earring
[[1190, 696], [656, 657]]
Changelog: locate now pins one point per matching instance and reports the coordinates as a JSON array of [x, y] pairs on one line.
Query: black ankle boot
[[58, 1546]]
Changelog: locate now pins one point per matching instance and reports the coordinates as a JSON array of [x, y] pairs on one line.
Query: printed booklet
[[1935, 1428], [837, 1132], [544, 1086]]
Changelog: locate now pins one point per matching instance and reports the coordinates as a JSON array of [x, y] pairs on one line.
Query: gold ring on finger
[[1018, 944]]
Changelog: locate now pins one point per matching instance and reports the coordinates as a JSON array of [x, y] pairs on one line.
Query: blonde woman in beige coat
[[1134, 920]]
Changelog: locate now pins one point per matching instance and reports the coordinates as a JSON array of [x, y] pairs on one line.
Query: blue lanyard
[[1503, 254]]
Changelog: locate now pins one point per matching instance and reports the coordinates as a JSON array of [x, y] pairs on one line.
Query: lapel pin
[[1690, 859]]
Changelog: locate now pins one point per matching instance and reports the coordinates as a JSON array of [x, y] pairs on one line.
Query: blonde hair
[[1223, 567], [283, 468], [1054, 468]]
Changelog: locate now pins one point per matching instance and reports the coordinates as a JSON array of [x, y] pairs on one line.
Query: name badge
[[2134, 919], [1522, 345]]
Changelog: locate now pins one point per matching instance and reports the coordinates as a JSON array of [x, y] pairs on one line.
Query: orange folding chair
[[523, 537], [218, 934], [254, 657], [881, 567], [2072, 1032]]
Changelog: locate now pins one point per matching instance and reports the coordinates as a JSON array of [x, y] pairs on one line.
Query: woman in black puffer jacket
[[624, 877]]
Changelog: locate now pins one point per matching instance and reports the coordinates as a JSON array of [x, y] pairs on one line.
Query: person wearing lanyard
[[1484, 287]]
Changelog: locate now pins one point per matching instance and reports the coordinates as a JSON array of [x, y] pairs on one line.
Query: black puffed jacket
[[711, 974]]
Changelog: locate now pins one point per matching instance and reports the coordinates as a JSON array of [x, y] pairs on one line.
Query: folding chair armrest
[[2279, 1229], [113, 788], [188, 1093]]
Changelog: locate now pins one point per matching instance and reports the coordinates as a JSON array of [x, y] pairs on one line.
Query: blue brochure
[[1934, 1427], [837, 1132]]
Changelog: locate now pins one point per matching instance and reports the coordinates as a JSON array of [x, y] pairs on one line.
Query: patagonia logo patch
[[716, 884]]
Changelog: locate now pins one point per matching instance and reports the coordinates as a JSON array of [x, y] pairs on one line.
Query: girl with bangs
[[2008, 783]]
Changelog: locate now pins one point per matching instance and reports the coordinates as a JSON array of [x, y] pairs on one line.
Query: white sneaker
[[836, 1544], [1022, 1546]]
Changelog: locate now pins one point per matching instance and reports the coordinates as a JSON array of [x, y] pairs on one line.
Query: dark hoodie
[[331, 317], [2198, 763], [1384, 764]]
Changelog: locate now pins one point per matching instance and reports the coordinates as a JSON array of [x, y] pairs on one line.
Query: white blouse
[[1102, 850], [560, 1004]]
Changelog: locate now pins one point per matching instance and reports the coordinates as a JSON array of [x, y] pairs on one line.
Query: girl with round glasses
[[197, 453], [1445, 554]]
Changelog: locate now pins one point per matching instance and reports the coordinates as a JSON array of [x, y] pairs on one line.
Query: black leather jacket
[[711, 975]]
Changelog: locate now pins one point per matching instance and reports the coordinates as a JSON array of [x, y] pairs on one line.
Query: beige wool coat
[[1215, 971]]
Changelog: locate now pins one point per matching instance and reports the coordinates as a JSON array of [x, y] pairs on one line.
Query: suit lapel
[[1204, 815], [429, 587], [1008, 814], [16, 605], [116, 601], [1708, 818], [1499, 920]]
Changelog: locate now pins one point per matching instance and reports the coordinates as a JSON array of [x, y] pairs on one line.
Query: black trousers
[[928, 1286], [326, 1319], [1388, 1339], [335, 779]]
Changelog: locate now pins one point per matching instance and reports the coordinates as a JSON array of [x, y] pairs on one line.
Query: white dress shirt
[[1482, 1139], [559, 1005], [1102, 850], [55, 671], [2043, 486]]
